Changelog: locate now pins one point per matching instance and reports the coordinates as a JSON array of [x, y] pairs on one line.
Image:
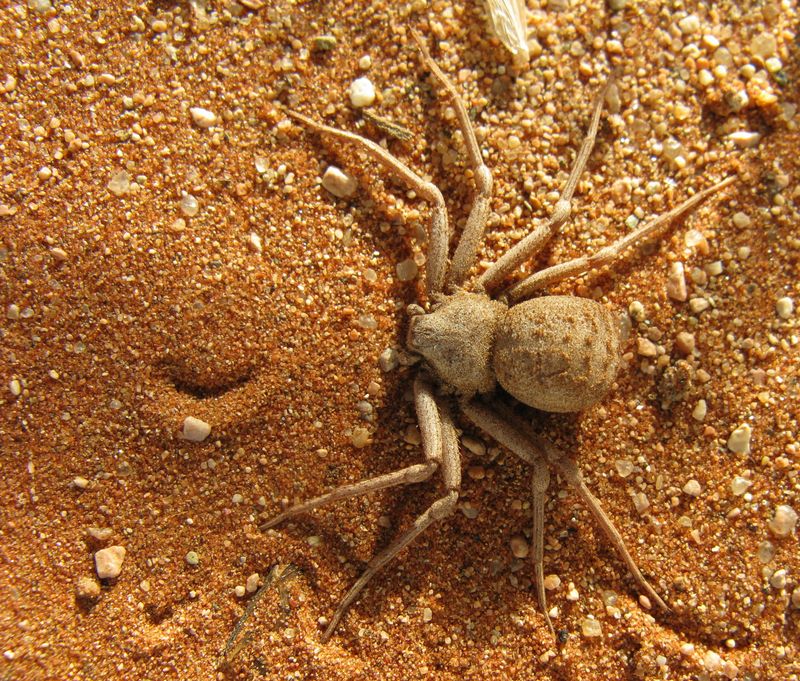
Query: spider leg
[[533, 448], [433, 416], [439, 231], [471, 237], [556, 273], [501, 430], [532, 244]]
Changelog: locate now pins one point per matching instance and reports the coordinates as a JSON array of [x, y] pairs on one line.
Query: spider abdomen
[[557, 353]]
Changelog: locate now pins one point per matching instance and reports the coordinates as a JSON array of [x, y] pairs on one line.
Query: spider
[[554, 353]]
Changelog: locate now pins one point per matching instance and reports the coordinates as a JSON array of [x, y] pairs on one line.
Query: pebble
[[739, 440], [712, 661], [763, 45], [641, 503], [80, 482], [388, 360], [700, 410], [624, 467], [685, 343], [784, 307], [87, 589], [740, 485], [591, 628], [251, 585], [698, 305], [646, 348], [108, 562], [119, 184], [324, 43], [676, 282], [15, 387], [203, 118], [796, 598], [254, 242], [765, 552], [689, 24], [406, 270], [778, 579], [427, 614], [339, 183], [189, 205], [552, 582], [101, 534], [362, 92], [239, 590], [693, 488], [195, 430], [192, 558], [741, 220], [519, 546], [745, 138], [360, 437], [784, 522]]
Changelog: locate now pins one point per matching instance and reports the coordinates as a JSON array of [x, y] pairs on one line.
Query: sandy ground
[[153, 269]]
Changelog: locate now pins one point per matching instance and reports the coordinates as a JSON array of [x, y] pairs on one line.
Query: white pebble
[[108, 562], [745, 138], [740, 485], [406, 270], [339, 183], [741, 220], [15, 387], [591, 628], [689, 24], [700, 410], [362, 92], [676, 282], [739, 440], [712, 661], [252, 583], [189, 205], [239, 590], [195, 430], [784, 307], [784, 522], [254, 242], [203, 118], [763, 45], [692, 488], [119, 184], [388, 360]]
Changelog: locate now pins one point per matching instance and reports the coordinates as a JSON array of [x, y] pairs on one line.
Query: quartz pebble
[[362, 92], [339, 183], [700, 410], [87, 589], [195, 430], [784, 307], [108, 562], [784, 521], [676, 282], [739, 440], [406, 270], [519, 546], [591, 628], [388, 360], [192, 558], [740, 485], [685, 343], [693, 488], [251, 585], [203, 118], [552, 582]]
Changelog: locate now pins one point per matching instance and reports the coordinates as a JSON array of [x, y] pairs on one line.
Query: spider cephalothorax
[[555, 353]]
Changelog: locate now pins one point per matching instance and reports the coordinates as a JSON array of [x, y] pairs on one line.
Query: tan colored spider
[[554, 353]]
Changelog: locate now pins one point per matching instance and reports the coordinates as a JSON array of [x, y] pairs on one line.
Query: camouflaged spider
[[553, 353]]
